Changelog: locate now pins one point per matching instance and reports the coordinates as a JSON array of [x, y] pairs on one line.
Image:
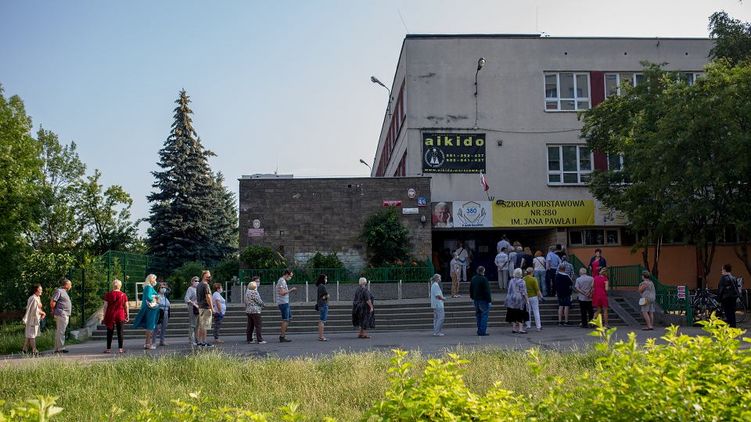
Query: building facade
[[493, 121], [299, 217]]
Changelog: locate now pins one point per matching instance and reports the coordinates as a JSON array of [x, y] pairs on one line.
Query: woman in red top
[[115, 313], [600, 296]]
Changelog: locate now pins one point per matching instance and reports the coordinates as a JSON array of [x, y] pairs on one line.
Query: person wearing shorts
[[282, 300], [322, 304]]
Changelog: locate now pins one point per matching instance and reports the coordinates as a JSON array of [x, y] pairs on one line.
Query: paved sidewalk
[[552, 338]]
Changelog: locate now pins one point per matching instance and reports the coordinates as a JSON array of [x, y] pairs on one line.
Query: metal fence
[[343, 275]]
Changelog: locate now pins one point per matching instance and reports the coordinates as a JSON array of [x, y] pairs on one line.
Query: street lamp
[[480, 65], [366, 164], [376, 81]]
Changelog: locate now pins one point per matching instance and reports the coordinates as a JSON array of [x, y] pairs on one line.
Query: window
[[615, 162], [689, 77], [566, 91], [613, 81], [594, 237], [569, 164]]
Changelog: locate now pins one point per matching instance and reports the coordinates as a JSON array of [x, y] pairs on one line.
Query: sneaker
[[209, 345], [153, 347], [217, 341], [560, 324], [284, 340], [539, 328], [262, 342], [439, 334]]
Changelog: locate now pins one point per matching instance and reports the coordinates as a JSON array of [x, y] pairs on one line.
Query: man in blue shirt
[[552, 261]]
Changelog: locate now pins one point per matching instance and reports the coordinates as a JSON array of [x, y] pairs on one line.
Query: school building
[[493, 121]]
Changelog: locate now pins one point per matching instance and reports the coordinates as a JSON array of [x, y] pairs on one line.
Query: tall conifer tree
[[183, 199], [223, 223]]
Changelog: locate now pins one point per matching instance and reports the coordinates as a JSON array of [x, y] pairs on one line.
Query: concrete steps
[[389, 317]]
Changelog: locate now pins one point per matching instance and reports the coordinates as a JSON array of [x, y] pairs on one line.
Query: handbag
[[643, 301], [153, 304]]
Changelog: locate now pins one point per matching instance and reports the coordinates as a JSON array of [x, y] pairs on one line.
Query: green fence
[[130, 268], [342, 275], [629, 276]]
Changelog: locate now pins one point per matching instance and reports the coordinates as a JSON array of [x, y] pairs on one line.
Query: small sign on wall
[[681, 292], [392, 203], [410, 211], [256, 232]]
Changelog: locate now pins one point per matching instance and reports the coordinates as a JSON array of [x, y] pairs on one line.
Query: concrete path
[[551, 338]]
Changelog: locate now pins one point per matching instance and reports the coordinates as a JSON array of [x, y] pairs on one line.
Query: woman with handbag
[[647, 300], [149, 312], [362, 309], [516, 303], [253, 306], [600, 296], [31, 319], [164, 313]]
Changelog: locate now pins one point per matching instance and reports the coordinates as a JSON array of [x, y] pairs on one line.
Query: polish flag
[[484, 182]]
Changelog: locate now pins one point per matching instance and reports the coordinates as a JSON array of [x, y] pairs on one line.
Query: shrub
[[386, 238], [324, 261], [262, 258], [225, 270], [179, 279]]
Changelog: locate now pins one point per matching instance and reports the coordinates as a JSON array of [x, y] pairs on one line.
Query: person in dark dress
[[362, 309]]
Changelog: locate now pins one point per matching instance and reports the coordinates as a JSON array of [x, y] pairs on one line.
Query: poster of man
[[442, 217]]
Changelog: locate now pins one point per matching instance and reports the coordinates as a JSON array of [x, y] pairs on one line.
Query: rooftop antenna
[[402, 19]]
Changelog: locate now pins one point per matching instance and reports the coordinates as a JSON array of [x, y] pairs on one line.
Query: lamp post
[[366, 164], [480, 65], [388, 106]]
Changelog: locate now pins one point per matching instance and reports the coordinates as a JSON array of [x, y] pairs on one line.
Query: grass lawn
[[343, 385], [12, 338]]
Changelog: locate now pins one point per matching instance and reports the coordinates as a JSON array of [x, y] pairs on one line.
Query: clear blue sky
[[274, 84]]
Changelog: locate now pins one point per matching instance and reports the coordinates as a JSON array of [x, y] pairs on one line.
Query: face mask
[[162, 290]]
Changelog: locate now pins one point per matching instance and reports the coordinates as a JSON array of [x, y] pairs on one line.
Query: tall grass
[[342, 385], [12, 338]]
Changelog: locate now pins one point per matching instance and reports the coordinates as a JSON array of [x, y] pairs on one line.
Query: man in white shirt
[[462, 255], [436, 302], [501, 262], [583, 288]]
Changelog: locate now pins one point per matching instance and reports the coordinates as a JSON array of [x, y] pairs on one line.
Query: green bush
[[386, 238], [180, 278], [262, 258], [225, 270], [320, 260]]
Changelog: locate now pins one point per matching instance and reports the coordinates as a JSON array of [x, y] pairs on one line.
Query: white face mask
[[162, 290]]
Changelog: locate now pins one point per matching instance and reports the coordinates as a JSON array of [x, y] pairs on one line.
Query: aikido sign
[[543, 213], [453, 152]]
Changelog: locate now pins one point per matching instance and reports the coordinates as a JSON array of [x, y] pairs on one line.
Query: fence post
[[306, 292], [83, 297], [337, 290], [399, 290]]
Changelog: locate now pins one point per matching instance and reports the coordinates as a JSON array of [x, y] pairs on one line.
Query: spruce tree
[[223, 224], [182, 202]]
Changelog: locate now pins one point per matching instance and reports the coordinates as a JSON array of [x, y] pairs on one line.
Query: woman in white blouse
[[33, 316]]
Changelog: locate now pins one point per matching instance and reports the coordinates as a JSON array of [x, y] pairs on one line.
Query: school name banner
[[543, 213], [453, 152]]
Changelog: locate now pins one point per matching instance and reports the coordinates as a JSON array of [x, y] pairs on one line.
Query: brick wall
[[300, 217]]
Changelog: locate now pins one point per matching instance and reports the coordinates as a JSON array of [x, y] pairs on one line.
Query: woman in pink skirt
[[600, 296]]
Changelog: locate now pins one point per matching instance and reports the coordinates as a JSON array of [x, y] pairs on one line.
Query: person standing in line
[[455, 274], [563, 288], [116, 312], [193, 311], [32, 318], [253, 307], [363, 315], [479, 292], [552, 261], [503, 243], [516, 303], [527, 259], [539, 267], [322, 305], [462, 255], [647, 300], [597, 262], [436, 302], [511, 262], [502, 262], [282, 301], [533, 296], [61, 307], [727, 293], [600, 295], [205, 309], [220, 308], [569, 266], [583, 289], [164, 314], [149, 312]]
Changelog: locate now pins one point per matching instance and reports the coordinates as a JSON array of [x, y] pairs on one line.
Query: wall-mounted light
[[423, 220]]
